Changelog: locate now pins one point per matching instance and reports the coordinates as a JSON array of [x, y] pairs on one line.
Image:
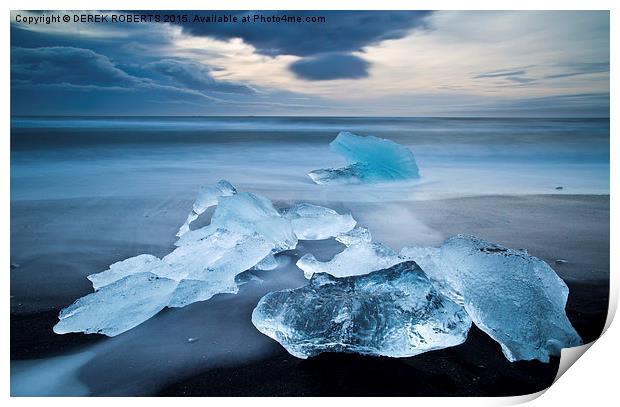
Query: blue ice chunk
[[269, 262], [313, 222], [516, 298], [392, 312], [372, 159], [247, 213], [119, 306], [361, 256], [207, 197]]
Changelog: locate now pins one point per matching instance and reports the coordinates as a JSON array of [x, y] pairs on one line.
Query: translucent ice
[[207, 197], [428, 258], [394, 312], [514, 297], [222, 251], [371, 159], [358, 235], [248, 214], [268, 263], [361, 256], [117, 307], [244, 233], [133, 265], [145, 284], [209, 266], [312, 222], [190, 291]]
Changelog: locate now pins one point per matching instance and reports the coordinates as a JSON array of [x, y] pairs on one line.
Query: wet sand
[[57, 243]]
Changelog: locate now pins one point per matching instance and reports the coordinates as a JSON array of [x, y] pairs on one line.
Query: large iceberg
[[393, 312], [207, 197], [372, 159], [361, 256], [514, 297], [312, 222]]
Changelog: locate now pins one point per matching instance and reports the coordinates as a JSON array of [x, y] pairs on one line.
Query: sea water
[[94, 156]]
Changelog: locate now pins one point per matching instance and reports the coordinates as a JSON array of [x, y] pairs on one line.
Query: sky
[[355, 63]]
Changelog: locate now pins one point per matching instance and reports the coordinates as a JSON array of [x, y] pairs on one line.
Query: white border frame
[[591, 381]]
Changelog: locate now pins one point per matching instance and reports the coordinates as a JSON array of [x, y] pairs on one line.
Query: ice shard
[[223, 252], [393, 312], [268, 263], [248, 214], [313, 222], [514, 297], [207, 197], [428, 258], [372, 159], [144, 263], [209, 266], [117, 307], [361, 256]]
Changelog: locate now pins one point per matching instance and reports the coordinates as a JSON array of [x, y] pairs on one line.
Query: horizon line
[[315, 116]]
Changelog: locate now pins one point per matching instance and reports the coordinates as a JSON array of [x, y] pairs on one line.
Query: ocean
[[127, 156]]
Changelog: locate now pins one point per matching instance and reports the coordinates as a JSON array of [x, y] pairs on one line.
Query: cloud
[[500, 74], [466, 63], [330, 66], [343, 31], [581, 68], [195, 76], [76, 66], [569, 105], [511, 77], [71, 80], [78, 69], [520, 79]]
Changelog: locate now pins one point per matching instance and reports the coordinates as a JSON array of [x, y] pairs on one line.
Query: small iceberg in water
[[372, 159]]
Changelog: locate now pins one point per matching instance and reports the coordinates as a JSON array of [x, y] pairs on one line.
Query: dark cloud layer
[[61, 72], [330, 66], [77, 66], [343, 31], [195, 76]]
